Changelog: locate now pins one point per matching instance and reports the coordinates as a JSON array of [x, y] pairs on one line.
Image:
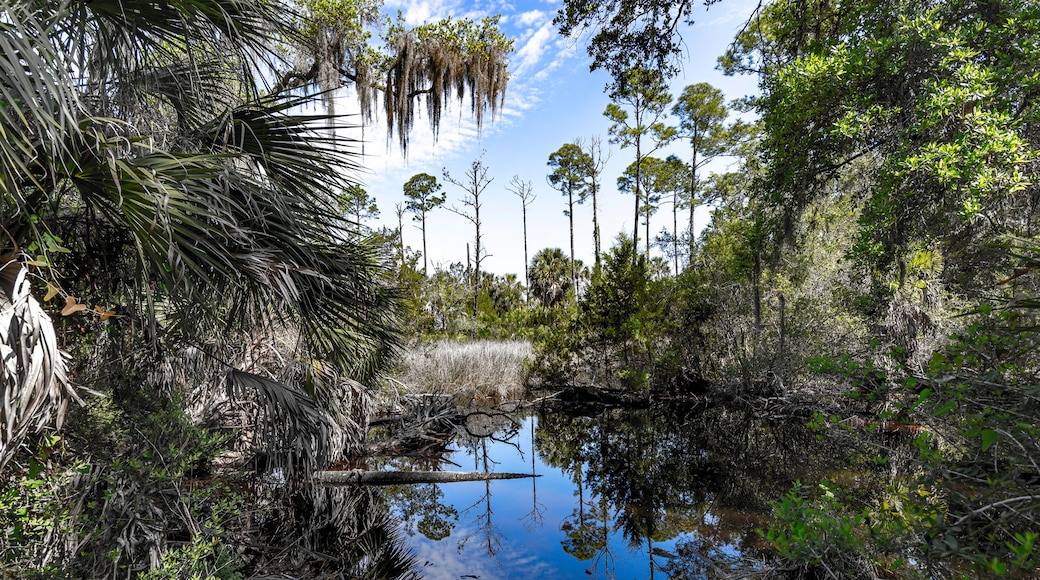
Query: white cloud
[[417, 12], [532, 50], [530, 18]]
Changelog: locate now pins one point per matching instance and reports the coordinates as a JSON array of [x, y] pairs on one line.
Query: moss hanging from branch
[[432, 64], [441, 61]]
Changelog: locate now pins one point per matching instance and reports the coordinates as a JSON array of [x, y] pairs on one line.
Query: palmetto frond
[[147, 116], [293, 430], [39, 102], [34, 385]]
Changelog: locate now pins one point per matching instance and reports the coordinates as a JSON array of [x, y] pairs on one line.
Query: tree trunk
[[756, 288], [476, 265], [400, 236], [675, 229], [424, 243], [648, 210], [361, 477], [635, 226], [595, 224], [693, 194], [527, 266], [570, 214]]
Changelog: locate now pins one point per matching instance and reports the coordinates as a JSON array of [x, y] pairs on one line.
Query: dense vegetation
[[871, 266]]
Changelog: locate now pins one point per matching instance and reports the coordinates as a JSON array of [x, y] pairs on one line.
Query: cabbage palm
[[550, 275], [143, 168]]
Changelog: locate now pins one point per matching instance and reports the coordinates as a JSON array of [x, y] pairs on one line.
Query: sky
[[552, 99]]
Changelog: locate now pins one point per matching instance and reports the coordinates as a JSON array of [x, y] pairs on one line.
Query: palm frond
[[39, 103], [34, 384], [293, 432], [301, 155], [113, 39]]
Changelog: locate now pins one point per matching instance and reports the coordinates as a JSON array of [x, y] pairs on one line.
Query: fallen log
[[362, 477]]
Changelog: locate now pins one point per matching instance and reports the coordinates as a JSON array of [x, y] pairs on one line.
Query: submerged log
[[361, 477]]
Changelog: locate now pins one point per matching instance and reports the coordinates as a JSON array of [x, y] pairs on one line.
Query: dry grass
[[486, 369]]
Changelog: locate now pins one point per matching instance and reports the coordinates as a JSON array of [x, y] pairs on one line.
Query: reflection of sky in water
[[525, 547]]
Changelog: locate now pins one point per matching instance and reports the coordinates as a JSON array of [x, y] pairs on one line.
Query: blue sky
[[552, 99]]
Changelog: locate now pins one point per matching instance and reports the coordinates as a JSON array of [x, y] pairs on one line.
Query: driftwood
[[362, 477]]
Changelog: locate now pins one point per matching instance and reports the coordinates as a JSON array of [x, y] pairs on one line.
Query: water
[[663, 493]]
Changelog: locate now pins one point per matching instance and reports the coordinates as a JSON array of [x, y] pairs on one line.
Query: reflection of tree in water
[[424, 505], [332, 531], [491, 537], [669, 471], [536, 517]]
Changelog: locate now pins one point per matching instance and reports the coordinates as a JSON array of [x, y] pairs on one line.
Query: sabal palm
[[550, 272], [149, 119]]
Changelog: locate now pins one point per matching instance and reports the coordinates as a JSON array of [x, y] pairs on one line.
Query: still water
[[661, 493]]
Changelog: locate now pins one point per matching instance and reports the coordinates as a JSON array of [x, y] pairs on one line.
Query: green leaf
[[946, 408], [989, 437]]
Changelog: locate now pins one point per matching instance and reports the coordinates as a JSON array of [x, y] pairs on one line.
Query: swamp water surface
[[622, 493]]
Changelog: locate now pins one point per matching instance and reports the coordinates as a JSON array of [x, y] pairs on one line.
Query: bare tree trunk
[[527, 261], [476, 182], [693, 195], [635, 226], [570, 214], [361, 477], [648, 210], [595, 169], [424, 243], [522, 189], [399, 208], [595, 225]]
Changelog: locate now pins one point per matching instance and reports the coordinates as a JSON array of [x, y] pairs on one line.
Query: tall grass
[[486, 369]]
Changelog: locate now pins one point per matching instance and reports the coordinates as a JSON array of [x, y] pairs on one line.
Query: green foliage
[[356, 203], [421, 190], [550, 274], [636, 112], [617, 332], [569, 166], [202, 559], [628, 34]]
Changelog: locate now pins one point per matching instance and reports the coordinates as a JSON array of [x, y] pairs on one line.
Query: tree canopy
[[434, 63], [628, 35]]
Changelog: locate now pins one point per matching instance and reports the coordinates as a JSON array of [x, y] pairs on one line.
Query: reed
[[487, 369]]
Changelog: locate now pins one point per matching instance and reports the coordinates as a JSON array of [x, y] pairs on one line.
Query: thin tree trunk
[[756, 275], [527, 263], [693, 193], [476, 273], [424, 243], [635, 226], [675, 229], [648, 209], [400, 235], [570, 214], [595, 224], [362, 477]]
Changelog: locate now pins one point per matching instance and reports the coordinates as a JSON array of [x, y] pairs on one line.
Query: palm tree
[[146, 176], [550, 276]]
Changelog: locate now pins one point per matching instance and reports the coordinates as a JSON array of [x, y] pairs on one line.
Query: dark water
[[622, 494], [666, 492]]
